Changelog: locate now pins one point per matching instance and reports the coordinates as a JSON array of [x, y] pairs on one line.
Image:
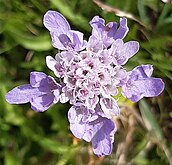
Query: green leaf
[[11, 158], [142, 11], [37, 43], [161, 19], [149, 119]]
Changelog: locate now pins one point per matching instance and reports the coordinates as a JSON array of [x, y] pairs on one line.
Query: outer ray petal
[[55, 22], [22, 94]]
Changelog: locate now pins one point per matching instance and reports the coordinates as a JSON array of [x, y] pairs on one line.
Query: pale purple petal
[[104, 57], [111, 27], [101, 132], [98, 26], [51, 62], [64, 98], [130, 48], [72, 40], [56, 65], [115, 51], [109, 107], [77, 42], [109, 90], [90, 127], [61, 41], [107, 34], [36, 78], [122, 30], [22, 94], [92, 102], [77, 126], [94, 44], [63, 37], [43, 102], [139, 84], [148, 69], [67, 57], [149, 87], [143, 71], [121, 52], [42, 93], [48, 84], [55, 22], [117, 45], [102, 141], [96, 20]]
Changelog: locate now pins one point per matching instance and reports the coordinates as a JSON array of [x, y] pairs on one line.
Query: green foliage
[[27, 137]]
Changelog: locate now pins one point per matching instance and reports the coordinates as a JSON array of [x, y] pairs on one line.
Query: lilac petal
[[105, 35], [92, 102], [94, 44], [61, 41], [55, 22], [117, 45], [109, 107], [77, 126], [122, 52], [48, 85], [104, 57], [43, 102], [43, 93], [109, 90], [101, 132], [143, 71], [122, 30], [63, 98], [147, 69], [129, 49], [67, 56], [111, 28], [36, 78], [55, 65], [115, 51], [72, 40], [150, 87], [120, 73], [139, 84], [102, 141], [56, 94], [22, 94], [77, 40], [98, 25], [51, 62], [63, 37], [95, 20], [101, 34]]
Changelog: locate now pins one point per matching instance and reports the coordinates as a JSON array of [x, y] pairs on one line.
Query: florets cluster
[[90, 74]]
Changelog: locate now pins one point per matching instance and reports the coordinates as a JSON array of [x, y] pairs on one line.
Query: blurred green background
[[144, 129]]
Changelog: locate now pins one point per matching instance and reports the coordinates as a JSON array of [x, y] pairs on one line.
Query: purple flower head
[[62, 36], [42, 92], [88, 78], [139, 84]]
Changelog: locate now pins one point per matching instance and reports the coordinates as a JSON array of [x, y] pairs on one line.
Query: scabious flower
[[90, 74]]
